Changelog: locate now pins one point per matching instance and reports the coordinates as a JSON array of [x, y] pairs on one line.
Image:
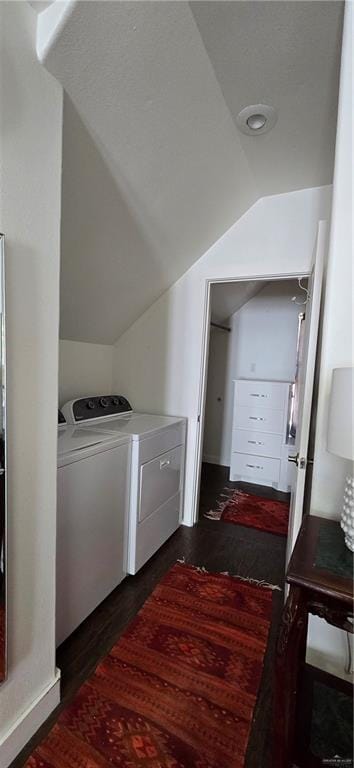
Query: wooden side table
[[320, 575]]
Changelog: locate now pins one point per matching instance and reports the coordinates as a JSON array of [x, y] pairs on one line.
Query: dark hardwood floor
[[217, 546], [214, 478]]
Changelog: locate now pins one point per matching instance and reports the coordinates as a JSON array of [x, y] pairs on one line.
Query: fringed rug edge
[[216, 514], [246, 579]]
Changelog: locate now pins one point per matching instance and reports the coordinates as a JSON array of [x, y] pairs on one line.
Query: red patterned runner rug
[[178, 690], [252, 512]]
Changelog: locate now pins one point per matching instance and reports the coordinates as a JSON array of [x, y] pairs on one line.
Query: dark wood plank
[[215, 478], [291, 649], [309, 676], [218, 547], [321, 584], [302, 569]]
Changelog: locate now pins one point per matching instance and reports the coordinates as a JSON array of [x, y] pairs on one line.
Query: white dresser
[[259, 452]]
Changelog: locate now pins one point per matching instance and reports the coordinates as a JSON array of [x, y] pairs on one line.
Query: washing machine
[[157, 469], [92, 511]]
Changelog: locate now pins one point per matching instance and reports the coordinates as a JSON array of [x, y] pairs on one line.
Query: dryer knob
[[104, 402], [90, 404]]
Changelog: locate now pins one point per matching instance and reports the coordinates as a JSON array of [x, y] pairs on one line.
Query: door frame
[[203, 371]]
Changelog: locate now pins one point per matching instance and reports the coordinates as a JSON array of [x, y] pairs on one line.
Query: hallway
[[217, 547]]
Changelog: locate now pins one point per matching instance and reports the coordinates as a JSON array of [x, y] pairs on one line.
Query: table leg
[[290, 649]]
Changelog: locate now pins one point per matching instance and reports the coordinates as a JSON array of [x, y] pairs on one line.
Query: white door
[[306, 382]]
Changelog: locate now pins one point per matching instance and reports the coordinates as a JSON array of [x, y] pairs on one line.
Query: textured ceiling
[[40, 5], [227, 298], [284, 54], [154, 168]]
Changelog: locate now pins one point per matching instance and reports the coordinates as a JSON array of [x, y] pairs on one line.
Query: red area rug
[[253, 512], [178, 689]]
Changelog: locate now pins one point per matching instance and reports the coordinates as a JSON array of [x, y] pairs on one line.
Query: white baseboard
[[29, 722]]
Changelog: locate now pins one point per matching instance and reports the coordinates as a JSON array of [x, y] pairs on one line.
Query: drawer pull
[[256, 394], [254, 466], [255, 442], [256, 418], [165, 463]]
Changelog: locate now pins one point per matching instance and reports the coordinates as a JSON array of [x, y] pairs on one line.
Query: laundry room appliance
[[157, 469], [92, 508]]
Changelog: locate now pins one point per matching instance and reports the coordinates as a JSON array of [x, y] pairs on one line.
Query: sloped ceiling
[[154, 167], [40, 5], [227, 298], [284, 54]]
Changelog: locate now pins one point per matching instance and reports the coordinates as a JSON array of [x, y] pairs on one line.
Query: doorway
[[253, 369]]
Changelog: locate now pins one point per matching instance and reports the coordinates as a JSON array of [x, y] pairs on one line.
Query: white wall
[[265, 333], [262, 345], [219, 376], [327, 645], [84, 369], [31, 111], [157, 362], [338, 322]]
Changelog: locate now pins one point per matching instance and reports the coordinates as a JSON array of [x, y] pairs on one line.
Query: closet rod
[[222, 327]]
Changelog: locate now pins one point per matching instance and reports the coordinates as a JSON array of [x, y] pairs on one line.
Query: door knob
[[301, 463]]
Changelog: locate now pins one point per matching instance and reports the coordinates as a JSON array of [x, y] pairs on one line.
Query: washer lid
[[138, 425], [77, 438]]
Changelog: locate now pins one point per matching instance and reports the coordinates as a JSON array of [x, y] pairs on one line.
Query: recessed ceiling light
[[256, 119], [255, 122]]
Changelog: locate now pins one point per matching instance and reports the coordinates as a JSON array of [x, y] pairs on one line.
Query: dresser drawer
[[257, 468], [259, 419], [257, 443], [263, 394]]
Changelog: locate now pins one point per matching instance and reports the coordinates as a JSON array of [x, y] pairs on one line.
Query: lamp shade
[[340, 438]]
